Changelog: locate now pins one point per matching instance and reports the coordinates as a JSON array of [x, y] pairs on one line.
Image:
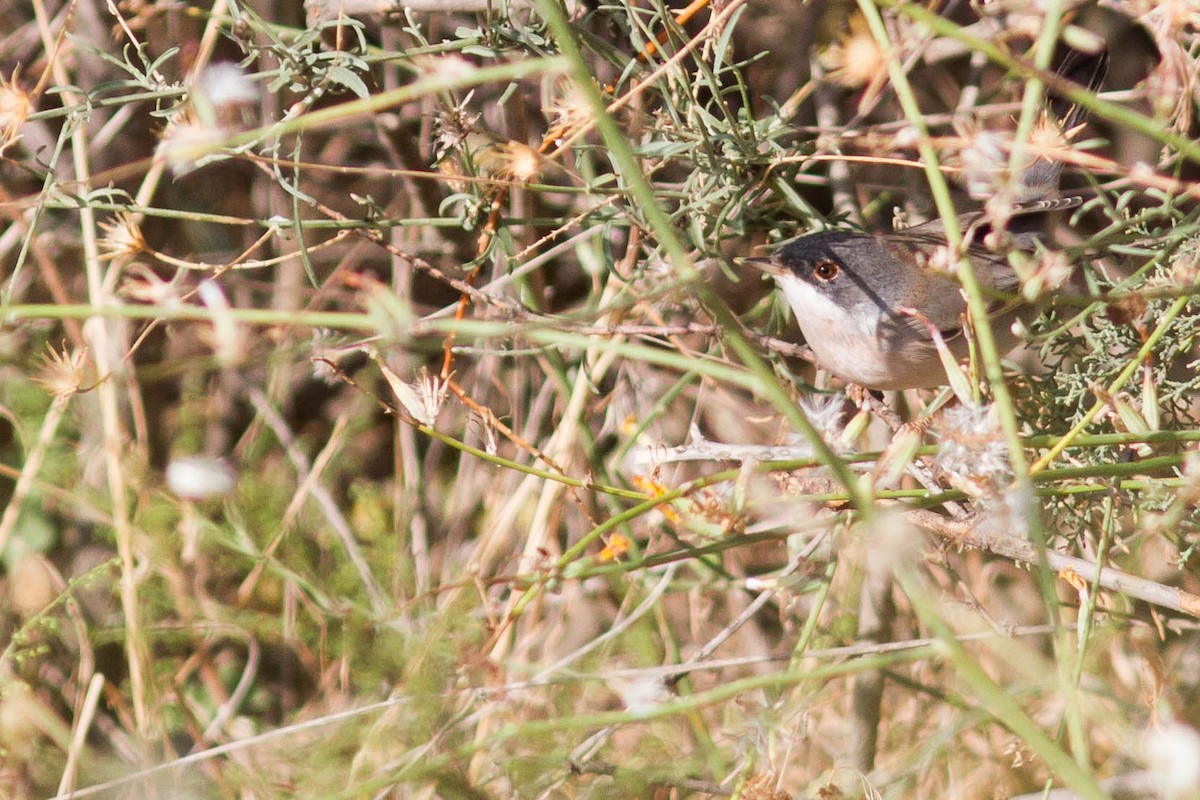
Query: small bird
[[865, 302]]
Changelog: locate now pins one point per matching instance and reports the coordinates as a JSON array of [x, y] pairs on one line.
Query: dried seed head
[[856, 58], [1048, 140], [973, 454], [452, 127], [186, 141], [121, 238], [983, 158], [569, 111], [825, 412], [1052, 271], [514, 161], [423, 398], [62, 373], [15, 107], [225, 96], [226, 83]]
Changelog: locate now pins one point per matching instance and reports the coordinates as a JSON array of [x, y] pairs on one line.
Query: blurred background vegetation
[[380, 387]]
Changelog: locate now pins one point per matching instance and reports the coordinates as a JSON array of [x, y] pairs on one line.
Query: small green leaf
[[348, 79]]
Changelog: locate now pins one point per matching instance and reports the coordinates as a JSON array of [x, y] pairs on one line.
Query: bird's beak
[[769, 265]]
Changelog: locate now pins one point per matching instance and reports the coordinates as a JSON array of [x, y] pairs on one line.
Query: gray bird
[[866, 302], [854, 296]]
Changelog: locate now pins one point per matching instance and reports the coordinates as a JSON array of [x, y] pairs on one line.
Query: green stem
[[993, 698], [977, 304], [642, 192]]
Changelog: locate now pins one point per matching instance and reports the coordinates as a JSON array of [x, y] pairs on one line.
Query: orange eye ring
[[826, 270]]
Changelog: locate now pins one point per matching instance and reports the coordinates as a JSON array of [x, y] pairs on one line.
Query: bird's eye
[[826, 270]]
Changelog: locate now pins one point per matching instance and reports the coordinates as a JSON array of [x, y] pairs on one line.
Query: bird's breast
[[849, 342]]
